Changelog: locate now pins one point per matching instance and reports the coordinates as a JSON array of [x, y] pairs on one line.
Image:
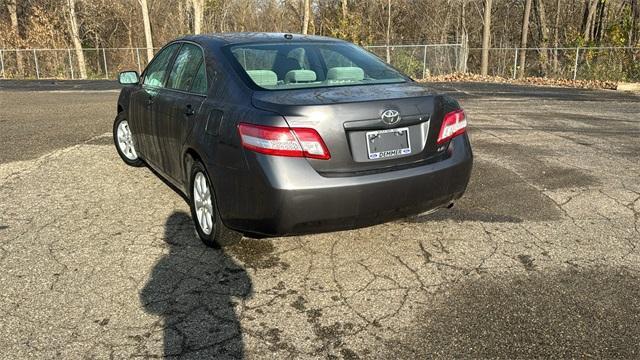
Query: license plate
[[388, 143]]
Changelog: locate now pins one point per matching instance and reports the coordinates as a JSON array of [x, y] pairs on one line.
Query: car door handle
[[150, 101], [188, 110]]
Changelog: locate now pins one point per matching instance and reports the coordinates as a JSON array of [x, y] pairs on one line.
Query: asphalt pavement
[[539, 259]]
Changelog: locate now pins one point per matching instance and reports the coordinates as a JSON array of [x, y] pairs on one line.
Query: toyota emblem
[[390, 116]]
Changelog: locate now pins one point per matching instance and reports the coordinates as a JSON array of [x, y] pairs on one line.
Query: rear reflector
[[283, 141], [454, 124]]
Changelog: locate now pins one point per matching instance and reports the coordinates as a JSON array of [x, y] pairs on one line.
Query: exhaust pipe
[[429, 212]]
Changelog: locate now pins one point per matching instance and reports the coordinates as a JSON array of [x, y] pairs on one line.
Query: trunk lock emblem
[[390, 116]]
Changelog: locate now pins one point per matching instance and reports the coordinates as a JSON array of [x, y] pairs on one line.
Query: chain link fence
[[418, 61], [100, 63], [577, 63]]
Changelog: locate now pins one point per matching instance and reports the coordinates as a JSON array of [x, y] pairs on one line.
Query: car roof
[[221, 39]]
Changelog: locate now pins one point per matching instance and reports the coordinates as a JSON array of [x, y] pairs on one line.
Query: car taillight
[[454, 124], [283, 141]]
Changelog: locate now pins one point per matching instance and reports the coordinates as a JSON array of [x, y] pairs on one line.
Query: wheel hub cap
[[202, 202], [125, 141]]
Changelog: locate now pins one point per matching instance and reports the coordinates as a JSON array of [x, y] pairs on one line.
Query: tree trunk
[[13, 14], [306, 16], [445, 27], [75, 35], [523, 39], [345, 9], [147, 28], [388, 30], [556, 40], [585, 15], [544, 36], [464, 39], [486, 37], [198, 11], [588, 29], [635, 19]]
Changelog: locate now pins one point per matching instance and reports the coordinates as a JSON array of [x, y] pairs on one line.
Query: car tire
[[204, 210], [123, 140]]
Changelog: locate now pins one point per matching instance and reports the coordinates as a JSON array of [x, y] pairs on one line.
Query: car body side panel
[[139, 117], [173, 126]]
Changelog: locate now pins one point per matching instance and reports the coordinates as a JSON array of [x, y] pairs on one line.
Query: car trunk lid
[[350, 121]]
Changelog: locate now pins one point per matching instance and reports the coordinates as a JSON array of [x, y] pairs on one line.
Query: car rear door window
[[156, 73], [200, 82], [186, 69]]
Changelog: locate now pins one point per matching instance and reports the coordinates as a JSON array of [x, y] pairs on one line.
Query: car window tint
[[311, 64], [155, 74], [255, 59], [334, 59], [185, 67], [200, 82], [280, 62]]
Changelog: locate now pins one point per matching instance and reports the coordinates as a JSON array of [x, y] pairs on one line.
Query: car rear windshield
[[311, 65]]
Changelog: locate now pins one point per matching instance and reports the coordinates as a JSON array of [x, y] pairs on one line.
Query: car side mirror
[[128, 78]]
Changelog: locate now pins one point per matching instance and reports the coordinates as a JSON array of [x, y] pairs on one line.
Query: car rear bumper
[[286, 196]]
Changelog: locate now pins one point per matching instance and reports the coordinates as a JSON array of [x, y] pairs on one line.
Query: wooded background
[[478, 25]]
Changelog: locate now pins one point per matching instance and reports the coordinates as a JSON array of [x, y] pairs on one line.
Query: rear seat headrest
[[263, 77], [346, 73], [295, 76]]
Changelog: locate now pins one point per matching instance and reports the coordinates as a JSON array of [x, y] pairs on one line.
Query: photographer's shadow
[[196, 290]]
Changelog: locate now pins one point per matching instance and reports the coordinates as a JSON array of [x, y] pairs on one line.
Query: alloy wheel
[[202, 202], [125, 141]]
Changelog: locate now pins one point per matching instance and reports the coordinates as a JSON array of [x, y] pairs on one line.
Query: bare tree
[[198, 10], [556, 38], [486, 37], [109, 23], [75, 36], [523, 39], [306, 16], [147, 28], [345, 8], [388, 37], [599, 22], [445, 26], [463, 39], [543, 43], [13, 14], [635, 19], [590, 12]]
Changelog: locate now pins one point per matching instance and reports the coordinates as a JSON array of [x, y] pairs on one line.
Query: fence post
[[575, 66], [70, 63], [2, 62], [515, 64], [35, 59], [138, 57], [104, 59], [424, 62]]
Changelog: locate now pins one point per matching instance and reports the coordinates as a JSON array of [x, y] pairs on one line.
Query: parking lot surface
[[539, 259]]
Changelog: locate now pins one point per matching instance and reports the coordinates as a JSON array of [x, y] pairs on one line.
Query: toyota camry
[[281, 134]]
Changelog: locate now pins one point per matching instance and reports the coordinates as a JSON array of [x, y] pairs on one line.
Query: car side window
[[186, 68], [155, 74], [200, 82]]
